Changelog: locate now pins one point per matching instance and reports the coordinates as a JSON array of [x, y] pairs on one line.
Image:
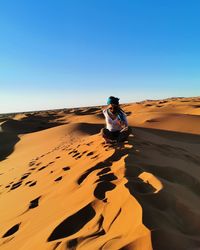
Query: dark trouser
[[116, 135]]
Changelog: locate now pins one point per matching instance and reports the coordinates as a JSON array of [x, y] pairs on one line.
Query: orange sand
[[62, 188]]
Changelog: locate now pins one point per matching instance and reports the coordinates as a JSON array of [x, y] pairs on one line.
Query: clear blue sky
[[70, 53]]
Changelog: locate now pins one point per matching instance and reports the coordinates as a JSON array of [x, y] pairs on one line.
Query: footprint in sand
[[58, 179], [25, 176], [84, 152], [66, 168], [28, 182], [12, 230], [90, 153], [33, 183], [78, 157], [34, 203], [43, 167], [16, 185], [76, 154], [32, 163], [94, 157], [50, 163], [32, 168]]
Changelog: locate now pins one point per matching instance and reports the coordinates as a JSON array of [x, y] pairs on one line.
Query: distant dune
[[62, 187]]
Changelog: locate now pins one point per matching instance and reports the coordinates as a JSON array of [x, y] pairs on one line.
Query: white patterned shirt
[[114, 125]]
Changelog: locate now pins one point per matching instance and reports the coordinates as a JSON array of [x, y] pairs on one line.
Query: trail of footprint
[[43, 167], [50, 163], [94, 157], [34, 203], [90, 153], [16, 185], [78, 157], [84, 152], [12, 230], [73, 151], [32, 168], [25, 176], [58, 179], [66, 168], [32, 163], [28, 182], [76, 154], [33, 184]]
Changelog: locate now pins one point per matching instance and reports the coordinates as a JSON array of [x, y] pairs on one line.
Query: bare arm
[[124, 123]]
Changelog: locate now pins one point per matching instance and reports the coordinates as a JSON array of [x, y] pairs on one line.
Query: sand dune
[[62, 187]]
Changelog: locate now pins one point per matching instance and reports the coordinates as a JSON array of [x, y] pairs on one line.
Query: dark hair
[[113, 100], [120, 111]]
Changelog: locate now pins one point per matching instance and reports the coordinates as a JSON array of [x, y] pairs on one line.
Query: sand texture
[[62, 187]]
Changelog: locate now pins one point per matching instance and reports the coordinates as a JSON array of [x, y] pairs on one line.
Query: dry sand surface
[[62, 187]]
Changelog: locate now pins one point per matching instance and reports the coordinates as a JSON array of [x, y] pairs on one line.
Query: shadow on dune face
[[172, 135], [10, 130], [7, 143], [29, 124], [73, 223], [173, 221], [86, 111], [88, 128]]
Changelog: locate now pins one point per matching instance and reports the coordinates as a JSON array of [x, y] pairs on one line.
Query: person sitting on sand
[[116, 122]]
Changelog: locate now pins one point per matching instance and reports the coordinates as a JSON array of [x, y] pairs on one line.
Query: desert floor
[[62, 187]]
